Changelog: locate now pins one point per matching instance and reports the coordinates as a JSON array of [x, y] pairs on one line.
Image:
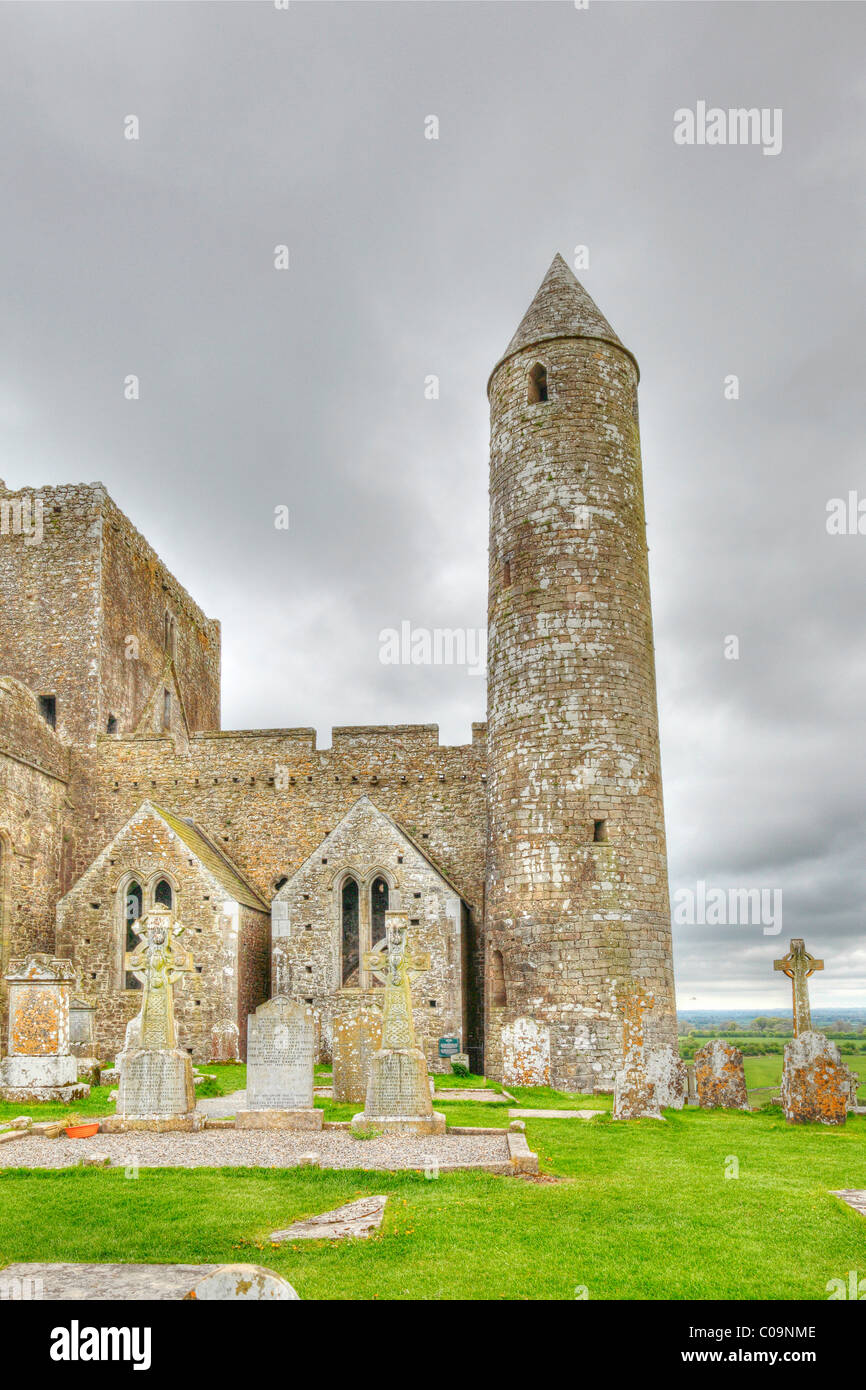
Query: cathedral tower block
[[577, 908]]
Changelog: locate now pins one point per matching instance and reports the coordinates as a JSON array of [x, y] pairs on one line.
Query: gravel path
[[223, 1105], [231, 1148]]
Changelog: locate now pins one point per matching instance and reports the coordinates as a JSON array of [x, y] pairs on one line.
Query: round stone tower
[[577, 909]]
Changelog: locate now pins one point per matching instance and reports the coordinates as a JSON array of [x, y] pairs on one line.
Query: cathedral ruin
[[531, 861]]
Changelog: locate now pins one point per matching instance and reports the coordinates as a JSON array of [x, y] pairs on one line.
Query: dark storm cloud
[[412, 257]]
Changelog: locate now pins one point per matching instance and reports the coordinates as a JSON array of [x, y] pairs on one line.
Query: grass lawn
[[638, 1210]]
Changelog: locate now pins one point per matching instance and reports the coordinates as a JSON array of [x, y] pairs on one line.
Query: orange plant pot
[[82, 1131]]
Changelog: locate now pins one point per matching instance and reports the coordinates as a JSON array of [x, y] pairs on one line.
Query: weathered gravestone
[[721, 1077], [525, 1053], [398, 1090], [224, 1041], [816, 1084], [82, 1013], [281, 1051], [634, 1092], [356, 1036], [39, 1065], [156, 1086], [668, 1073], [691, 1084]]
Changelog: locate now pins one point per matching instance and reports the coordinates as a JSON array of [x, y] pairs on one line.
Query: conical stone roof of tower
[[561, 309]]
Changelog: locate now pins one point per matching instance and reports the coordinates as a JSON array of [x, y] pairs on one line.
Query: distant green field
[[767, 1071]]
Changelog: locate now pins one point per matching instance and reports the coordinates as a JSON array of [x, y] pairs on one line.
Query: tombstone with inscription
[[281, 1051], [398, 1089], [40, 1065], [356, 1036], [156, 1086]]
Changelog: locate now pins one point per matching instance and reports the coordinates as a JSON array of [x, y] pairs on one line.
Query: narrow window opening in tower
[[281, 883], [506, 574], [599, 834], [162, 894], [538, 384], [498, 995], [48, 709], [166, 709], [111, 727], [379, 895], [350, 903]]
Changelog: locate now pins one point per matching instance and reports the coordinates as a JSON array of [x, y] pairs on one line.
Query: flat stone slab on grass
[[358, 1218], [467, 1093], [111, 1282], [553, 1114], [855, 1198], [249, 1283], [250, 1148]]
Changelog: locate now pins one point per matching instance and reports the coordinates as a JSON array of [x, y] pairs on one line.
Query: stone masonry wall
[[34, 767], [268, 799], [49, 615], [572, 723], [137, 592]]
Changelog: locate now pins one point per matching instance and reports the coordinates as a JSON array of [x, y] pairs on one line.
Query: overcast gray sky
[[411, 257]]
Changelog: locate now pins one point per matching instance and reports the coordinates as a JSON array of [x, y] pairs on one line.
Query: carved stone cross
[[798, 965], [397, 968], [158, 963]]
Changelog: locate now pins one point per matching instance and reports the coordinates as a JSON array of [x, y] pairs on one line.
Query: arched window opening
[[379, 897], [281, 883], [166, 709], [162, 894], [498, 994], [111, 727], [537, 384], [133, 906], [350, 901]]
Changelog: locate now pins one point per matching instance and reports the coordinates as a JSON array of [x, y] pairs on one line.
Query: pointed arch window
[[163, 894], [350, 902], [133, 905], [379, 897], [537, 389]]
